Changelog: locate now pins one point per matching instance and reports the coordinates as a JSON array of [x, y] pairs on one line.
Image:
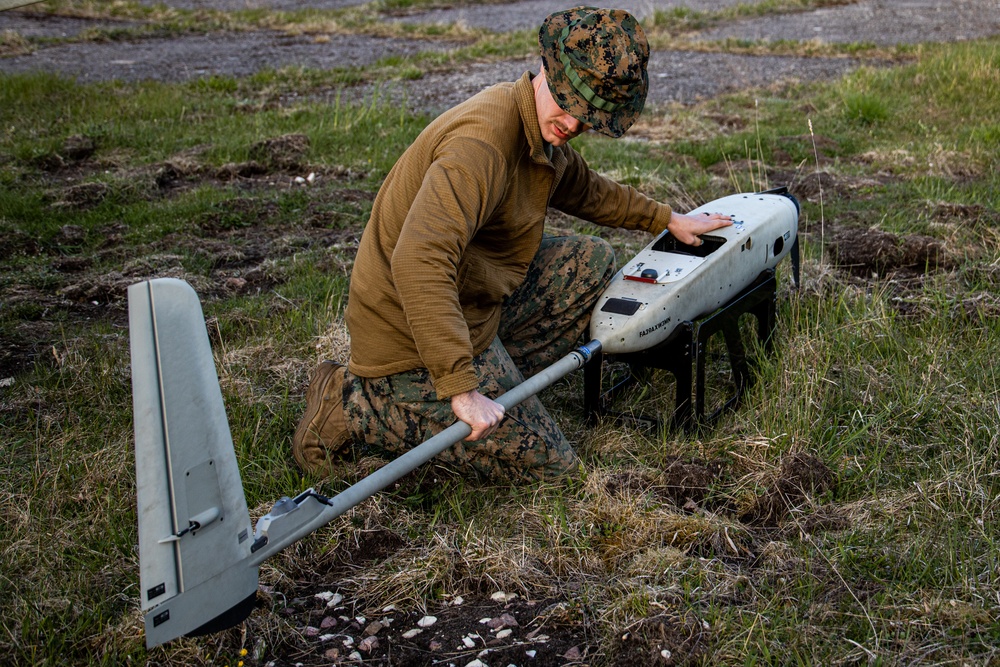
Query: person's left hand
[[686, 228]]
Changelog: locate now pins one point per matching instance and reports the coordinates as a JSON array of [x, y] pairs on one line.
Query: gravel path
[[676, 76], [192, 56], [528, 14], [882, 22]]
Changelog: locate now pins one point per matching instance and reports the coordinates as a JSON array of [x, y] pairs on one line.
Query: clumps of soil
[[16, 242], [83, 195], [286, 152], [78, 147], [74, 149], [800, 476], [661, 640], [973, 214], [369, 546], [232, 171], [681, 482], [864, 252]]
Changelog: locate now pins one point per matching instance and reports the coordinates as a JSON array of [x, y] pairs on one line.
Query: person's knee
[[598, 257]]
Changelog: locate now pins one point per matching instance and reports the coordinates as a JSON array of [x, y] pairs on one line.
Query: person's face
[[557, 126]]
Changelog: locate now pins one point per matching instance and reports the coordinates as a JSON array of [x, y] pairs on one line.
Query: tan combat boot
[[323, 430]]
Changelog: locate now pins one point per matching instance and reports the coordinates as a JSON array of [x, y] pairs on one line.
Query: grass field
[[846, 513]]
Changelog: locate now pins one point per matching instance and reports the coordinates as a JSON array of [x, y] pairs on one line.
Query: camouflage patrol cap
[[595, 66]]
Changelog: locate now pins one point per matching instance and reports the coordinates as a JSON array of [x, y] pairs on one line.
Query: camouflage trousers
[[541, 322]]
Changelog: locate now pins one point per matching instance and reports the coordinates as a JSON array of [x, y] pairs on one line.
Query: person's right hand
[[686, 228], [480, 412]]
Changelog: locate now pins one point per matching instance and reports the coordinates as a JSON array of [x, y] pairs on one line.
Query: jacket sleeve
[[458, 194], [583, 192]]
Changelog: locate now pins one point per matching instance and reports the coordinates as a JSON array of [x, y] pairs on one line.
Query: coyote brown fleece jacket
[[454, 228]]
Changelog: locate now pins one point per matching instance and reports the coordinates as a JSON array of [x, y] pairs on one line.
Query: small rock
[[503, 634], [435, 645], [476, 663], [457, 600], [326, 638], [469, 642], [332, 654], [427, 621], [666, 654], [531, 653], [573, 654], [348, 641], [355, 656], [310, 631], [373, 628], [328, 622], [334, 601], [410, 634], [327, 596], [500, 596], [502, 621], [368, 644]]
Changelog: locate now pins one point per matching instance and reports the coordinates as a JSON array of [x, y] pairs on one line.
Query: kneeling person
[[456, 294]]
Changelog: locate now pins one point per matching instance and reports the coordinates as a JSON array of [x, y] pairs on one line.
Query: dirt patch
[[285, 152], [661, 640], [505, 630], [800, 475], [971, 214], [864, 252], [680, 483]]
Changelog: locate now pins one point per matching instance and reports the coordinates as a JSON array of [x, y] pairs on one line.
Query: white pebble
[[427, 621], [666, 654], [503, 634], [469, 642], [410, 634], [326, 638], [484, 621], [457, 600], [530, 654], [476, 663], [335, 600], [500, 596], [355, 656]]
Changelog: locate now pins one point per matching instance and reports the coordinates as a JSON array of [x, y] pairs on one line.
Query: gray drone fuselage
[[669, 282]]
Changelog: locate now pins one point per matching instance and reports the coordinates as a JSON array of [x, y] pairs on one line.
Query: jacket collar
[[524, 95]]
